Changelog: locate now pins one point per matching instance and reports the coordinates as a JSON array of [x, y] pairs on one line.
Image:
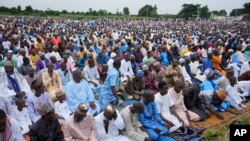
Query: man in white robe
[[132, 125], [126, 68], [12, 83], [165, 103], [111, 60], [108, 123], [245, 67]]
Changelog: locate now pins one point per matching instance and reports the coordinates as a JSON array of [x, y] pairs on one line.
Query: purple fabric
[[40, 65]]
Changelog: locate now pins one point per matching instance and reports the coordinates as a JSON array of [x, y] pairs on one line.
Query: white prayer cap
[[112, 55], [82, 109], [230, 50], [181, 60]]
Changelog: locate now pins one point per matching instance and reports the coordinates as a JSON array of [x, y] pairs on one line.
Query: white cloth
[[57, 55], [110, 63], [23, 119], [222, 82], [243, 86], [91, 74], [5, 104], [126, 68], [23, 84], [113, 129], [34, 102], [62, 109], [163, 103], [240, 56], [233, 96], [186, 75], [244, 67]]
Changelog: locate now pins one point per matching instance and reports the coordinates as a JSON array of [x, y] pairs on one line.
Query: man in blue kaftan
[[108, 90], [78, 91], [150, 119]]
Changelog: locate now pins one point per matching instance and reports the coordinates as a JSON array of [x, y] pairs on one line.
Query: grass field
[[221, 132]]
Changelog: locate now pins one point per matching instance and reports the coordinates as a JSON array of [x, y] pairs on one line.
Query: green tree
[[126, 11], [64, 12], [247, 8], [29, 9], [189, 10], [237, 12], [148, 10], [19, 8], [204, 12], [223, 12]]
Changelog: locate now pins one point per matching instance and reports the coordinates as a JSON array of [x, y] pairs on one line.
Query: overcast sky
[[164, 6]]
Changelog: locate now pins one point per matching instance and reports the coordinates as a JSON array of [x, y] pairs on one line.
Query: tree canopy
[[126, 11], [240, 11], [148, 11]]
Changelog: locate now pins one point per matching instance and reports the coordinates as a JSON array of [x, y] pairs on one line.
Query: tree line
[[187, 11]]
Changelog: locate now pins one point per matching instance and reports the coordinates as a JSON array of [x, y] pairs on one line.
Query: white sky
[[164, 6]]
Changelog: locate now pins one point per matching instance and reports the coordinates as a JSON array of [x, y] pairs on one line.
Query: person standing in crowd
[[80, 126], [108, 90]]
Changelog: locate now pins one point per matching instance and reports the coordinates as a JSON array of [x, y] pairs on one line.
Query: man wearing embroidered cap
[[47, 127], [135, 86], [80, 126], [149, 79]]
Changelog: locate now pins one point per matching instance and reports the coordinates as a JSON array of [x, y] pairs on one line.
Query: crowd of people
[[119, 80]]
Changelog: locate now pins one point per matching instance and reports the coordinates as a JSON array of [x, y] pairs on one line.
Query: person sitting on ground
[[80, 126], [31, 76], [193, 102], [233, 96], [38, 98], [135, 86], [79, 91], [9, 128], [91, 75], [165, 107], [51, 81], [108, 123], [183, 114], [47, 128], [150, 119], [134, 129], [61, 107], [149, 79], [23, 69], [22, 116]]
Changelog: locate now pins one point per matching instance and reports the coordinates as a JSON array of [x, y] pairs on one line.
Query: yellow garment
[[34, 59], [79, 54], [216, 63], [52, 84], [40, 47]]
